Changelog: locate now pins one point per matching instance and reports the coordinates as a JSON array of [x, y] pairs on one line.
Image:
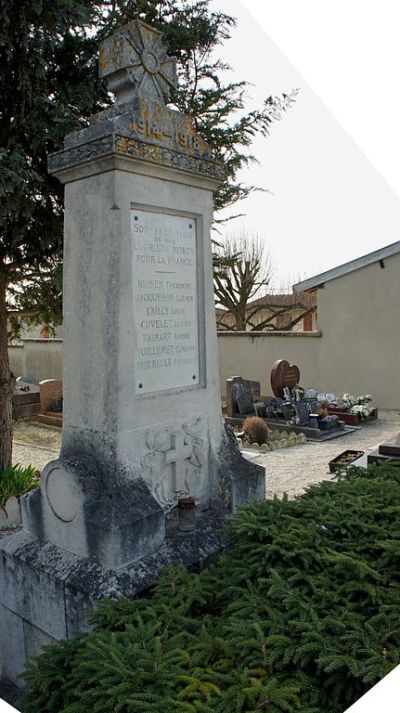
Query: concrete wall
[[357, 348], [16, 355], [252, 356], [40, 358], [359, 315]]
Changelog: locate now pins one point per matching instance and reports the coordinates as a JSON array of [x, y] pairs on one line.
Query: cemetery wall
[[252, 355], [16, 355], [40, 358]]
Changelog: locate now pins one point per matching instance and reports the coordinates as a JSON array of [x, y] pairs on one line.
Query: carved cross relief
[[173, 465], [178, 456]]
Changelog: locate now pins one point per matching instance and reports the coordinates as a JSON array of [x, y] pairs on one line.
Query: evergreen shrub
[[302, 615]]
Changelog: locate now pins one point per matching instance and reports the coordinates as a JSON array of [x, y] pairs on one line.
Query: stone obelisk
[[142, 410]]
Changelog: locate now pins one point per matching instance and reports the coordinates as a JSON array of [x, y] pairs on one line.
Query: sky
[[332, 165]]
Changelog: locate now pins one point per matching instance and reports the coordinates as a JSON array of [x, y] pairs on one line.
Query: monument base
[[46, 592]]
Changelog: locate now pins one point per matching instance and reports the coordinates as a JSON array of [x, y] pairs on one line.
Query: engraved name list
[[165, 301]]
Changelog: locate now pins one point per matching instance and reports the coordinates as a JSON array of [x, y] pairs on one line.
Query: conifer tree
[[49, 87]]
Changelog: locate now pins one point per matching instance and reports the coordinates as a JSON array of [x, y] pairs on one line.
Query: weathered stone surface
[[96, 144], [243, 399], [12, 645], [28, 588], [50, 591], [240, 481], [139, 125], [137, 434], [78, 509], [35, 639], [134, 61]]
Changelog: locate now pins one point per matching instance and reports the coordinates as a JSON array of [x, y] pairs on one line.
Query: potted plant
[[15, 480]]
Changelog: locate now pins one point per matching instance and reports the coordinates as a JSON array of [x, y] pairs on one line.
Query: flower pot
[[342, 461]]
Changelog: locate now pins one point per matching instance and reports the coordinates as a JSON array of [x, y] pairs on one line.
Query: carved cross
[[178, 456], [135, 63]]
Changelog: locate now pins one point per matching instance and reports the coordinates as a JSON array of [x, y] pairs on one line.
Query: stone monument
[[142, 422]]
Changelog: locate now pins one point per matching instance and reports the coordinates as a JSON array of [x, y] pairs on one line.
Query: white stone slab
[[165, 301], [10, 515]]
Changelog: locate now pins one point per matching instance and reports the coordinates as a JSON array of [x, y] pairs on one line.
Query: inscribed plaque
[[165, 302]]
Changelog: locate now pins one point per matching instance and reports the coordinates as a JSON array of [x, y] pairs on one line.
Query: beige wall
[[359, 347], [359, 315], [40, 358], [16, 356], [252, 356]]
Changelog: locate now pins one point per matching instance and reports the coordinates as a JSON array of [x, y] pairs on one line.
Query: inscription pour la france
[[165, 259]]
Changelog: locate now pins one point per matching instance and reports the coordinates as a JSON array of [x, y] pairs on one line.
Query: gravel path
[[35, 443], [289, 470]]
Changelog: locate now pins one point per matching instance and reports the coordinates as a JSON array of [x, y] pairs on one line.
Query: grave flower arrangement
[[328, 422], [330, 418], [363, 407], [362, 410]]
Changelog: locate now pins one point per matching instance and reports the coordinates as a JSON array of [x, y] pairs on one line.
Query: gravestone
[[49, 390], [142, 415], [243, 399], [249, 391], [302, 412], [26, 399], [284, 376]]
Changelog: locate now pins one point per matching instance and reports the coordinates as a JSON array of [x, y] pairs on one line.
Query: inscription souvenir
[[165, 301]]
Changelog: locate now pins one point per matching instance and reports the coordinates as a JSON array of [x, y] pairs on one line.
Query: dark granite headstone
[[243, 399], [302, 412]]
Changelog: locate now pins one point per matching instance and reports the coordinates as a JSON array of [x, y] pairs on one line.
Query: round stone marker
[[63, 493]]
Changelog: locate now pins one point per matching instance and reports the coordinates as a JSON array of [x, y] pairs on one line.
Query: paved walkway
[[289, 470]]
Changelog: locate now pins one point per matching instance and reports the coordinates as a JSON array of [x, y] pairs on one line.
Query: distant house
[[284, 312], [359, 319], [355, 346]]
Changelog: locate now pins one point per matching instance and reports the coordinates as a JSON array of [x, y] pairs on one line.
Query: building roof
[[376, 256], [283, 300], [273, 301]]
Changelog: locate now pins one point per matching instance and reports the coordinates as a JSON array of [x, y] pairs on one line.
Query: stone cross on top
[[135, 64]]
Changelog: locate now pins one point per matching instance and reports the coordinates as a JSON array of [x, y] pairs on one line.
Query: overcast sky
[[333, 163]]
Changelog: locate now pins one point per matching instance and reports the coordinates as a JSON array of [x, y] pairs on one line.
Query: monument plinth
[[142, 421]]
